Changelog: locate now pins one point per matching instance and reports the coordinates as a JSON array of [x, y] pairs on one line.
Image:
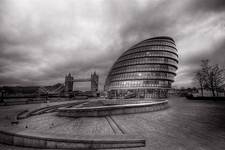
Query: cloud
[[41, 41], [208, 5]]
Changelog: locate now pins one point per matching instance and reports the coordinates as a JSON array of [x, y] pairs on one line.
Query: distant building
[[146, 70], [33, 91], [20, 91]]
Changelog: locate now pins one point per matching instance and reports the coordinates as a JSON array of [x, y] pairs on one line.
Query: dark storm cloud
[[42, 41], [140, 22], [149, 21], [208, 5]]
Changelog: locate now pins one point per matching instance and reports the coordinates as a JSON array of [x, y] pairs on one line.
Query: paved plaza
[[185, 125]]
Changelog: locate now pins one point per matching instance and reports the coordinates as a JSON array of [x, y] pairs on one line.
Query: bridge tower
[[68, 83], [94, 82]]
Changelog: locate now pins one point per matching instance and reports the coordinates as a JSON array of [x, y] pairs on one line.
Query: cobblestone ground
[[186, 125]]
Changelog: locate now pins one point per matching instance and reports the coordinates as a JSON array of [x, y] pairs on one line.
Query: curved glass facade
[[146, 70]]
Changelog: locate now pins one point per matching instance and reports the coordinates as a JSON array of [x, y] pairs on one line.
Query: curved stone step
[[97, 111], [30, 138], [45, 109]]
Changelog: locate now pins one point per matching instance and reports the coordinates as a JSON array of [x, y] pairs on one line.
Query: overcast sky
[[42, 40]]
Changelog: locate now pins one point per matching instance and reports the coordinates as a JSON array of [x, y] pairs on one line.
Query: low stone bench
[[112, 109], [30, 138]]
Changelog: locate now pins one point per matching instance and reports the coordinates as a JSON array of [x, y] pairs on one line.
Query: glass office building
[[146, 70]]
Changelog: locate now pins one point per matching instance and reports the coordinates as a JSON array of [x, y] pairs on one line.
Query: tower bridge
[[69, 81], [82, 80]]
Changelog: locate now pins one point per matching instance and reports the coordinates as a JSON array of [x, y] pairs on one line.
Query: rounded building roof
[[161, 37]]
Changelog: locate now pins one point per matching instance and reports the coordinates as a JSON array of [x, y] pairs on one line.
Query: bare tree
[[200, 79], [202, 74], [219, 78], [211, 77]]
